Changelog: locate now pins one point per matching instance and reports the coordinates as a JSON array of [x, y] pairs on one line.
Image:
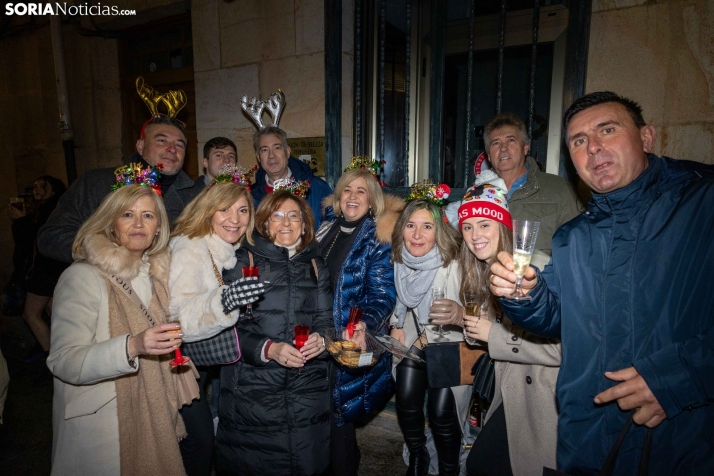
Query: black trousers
[[197, 447], [344, 452], [441, 407], [489, 454]]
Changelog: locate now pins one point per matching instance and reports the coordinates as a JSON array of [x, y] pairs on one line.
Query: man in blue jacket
[[628, 291], [273, 154]]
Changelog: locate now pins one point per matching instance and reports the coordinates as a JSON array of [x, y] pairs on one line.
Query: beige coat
[[526, 370], [85, 361]]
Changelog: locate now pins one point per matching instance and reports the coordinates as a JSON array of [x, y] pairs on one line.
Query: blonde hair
[[112, 207], [447, 238], [475, 273], [374, 191], [195, 220]]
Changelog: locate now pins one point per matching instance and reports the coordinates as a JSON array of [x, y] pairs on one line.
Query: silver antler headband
[[254, 108]]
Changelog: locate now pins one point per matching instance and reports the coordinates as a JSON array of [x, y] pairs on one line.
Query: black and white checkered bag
[[221, 349]]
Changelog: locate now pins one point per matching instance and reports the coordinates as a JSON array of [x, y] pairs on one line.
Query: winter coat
[[526, 368], [273, 420], [366, 281], [630, 285], [319, 189], [85, 195], [450, 278], [194, 287], [85, 361]]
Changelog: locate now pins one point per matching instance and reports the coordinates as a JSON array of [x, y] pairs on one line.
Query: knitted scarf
[[147, 403], [413, 279]]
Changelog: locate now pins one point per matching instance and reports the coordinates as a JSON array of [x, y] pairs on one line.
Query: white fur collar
[[223, 253]]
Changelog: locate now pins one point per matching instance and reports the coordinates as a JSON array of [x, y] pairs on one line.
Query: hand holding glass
[[525, 233], [179, 359], [439, 293], [250, 272]]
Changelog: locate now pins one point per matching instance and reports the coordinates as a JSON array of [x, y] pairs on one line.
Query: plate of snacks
[[360, 350]]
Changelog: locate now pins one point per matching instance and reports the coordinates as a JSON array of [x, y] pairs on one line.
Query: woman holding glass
[[205, 238], [425, 253], [274, 410], [520, 429], [115, 404], [356, 246]]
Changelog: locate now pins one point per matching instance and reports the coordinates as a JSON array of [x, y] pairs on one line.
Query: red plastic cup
[[250, 272], [301, 335]]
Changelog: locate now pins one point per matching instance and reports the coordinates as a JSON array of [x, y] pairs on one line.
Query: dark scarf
[[337, 244]]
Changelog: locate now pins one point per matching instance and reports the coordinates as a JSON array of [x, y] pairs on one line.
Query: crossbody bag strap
[[609, 466], [420, 332], [314, 267], [129, 292]]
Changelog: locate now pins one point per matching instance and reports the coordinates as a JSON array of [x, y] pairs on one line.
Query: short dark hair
[[218, 143], [601, 97], [167, 121], [267, 131], [272, 202], [501, 120]]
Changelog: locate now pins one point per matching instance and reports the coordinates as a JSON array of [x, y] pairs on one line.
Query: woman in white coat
[[520, 429], [424, 252], [205, 238], [115, 404]]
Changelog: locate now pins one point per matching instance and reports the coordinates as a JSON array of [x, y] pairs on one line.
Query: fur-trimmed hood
[[393, 205], [117, 260]]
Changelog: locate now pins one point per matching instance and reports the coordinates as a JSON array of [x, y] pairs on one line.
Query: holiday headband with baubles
[[486, 199], [236, 174], [365, 162]]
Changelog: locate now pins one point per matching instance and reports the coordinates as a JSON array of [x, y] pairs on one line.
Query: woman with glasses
[[274, 410]]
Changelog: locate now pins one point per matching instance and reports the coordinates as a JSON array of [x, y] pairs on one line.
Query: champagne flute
[[179, 359], [471, 305], [302, 333], [525, 233], [439, 293], [250, 272]]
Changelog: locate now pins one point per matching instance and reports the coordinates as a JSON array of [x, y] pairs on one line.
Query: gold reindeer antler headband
[[174, 101], [254, 108]]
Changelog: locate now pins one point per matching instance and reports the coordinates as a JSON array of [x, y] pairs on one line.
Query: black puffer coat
[[272, 420]]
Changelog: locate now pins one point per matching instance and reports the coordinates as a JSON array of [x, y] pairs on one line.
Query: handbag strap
[[420, 332], [215, 269], [609, 466]]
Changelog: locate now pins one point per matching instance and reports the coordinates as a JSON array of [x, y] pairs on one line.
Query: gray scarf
[[413, 279]]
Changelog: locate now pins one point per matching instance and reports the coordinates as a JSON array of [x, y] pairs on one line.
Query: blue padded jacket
[[366, 281]]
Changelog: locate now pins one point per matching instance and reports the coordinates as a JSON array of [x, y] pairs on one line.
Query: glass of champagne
[[525, 233], [302, 333], [471, 305], [250, 272], [179, 359], [439, 293]]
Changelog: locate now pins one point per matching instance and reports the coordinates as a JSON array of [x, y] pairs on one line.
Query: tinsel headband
[[136, 174], [366, 162], [299, 189]]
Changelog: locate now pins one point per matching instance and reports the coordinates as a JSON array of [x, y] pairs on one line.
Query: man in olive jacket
[[532, 194], [165, 144]]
